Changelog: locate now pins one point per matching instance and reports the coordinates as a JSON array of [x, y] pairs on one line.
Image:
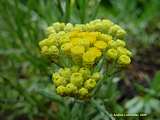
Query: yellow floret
[[47, 42], [113, 29], [79, 27], [119, 43], [64, 39], [84, 42], [124, 60], [44, 50], [89, 58], [74, 34], [55, 76], [53, 50], [111, 54], [58, 26], [52, 40], [61, 90], [71, 89], [66, 73], [90, 84], [100, 44], [75, 68], [77, 50], [66, 47], [83, 92], [68, 27], [120, 33], [124, 51], [75, 41], [96, 76], [85, 72], [106, 38], [42, 43], [91, 36], [77, 79], [105, 25], [50, 30], [59, 81], [96, 52]]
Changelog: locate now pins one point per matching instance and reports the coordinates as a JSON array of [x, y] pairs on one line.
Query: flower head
[[82, 51], [75, 81]]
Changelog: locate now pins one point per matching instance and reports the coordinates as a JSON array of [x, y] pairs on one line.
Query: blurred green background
[[26, 90]]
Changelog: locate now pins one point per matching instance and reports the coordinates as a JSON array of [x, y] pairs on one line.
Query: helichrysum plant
[[84, 53]]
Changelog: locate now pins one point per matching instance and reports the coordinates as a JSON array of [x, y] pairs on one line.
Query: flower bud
[[66, 47], [120, 33], [96, 76], [83, 92], [58, 26], [106, 38], [50, 30], [68, 27], [61, 90], [91, 37], [77, 79], [85, 72], [107, 24], [71, 88], [111, 54], [44, 50], [47, 42], [84, 42], [124, 60], [59, 81], [90, 84], [75, 68], [124, 51], [113, 29], [119, 43], [64, 39], [89, 58], [53, 50], [79, 27], [66, 73], [77, 50], [100, 45]]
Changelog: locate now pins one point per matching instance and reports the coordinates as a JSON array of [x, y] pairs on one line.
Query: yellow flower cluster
[[104, 26], [85, 48], [117, 52], [75, 81], [83, 45]]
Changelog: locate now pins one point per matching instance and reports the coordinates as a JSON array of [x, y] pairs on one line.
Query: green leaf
[[155, 104], [51, 96], [155, 84], [135, 105]]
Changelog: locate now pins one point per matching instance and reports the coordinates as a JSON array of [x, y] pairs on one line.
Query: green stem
[[108, 75], [60, 7], [67, 11], [95, 9], [99, 68], [83, 10]]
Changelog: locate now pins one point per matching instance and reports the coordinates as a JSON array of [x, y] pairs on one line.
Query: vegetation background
[[26, 90]]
